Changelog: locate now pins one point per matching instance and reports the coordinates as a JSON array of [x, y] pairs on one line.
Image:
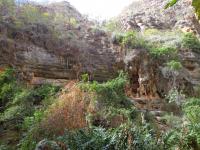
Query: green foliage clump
[[164, 51], [32, 14], [31, 127], [112, 26], [174, 65], [7, 86], [191, 109], [171, 3], [117, 38], [73, 21], [132, 40], [125, 137], [196, 5], [186, 136], [31, 122], [190, 41], [19, 103], [85, 77], [111, 92], [7, 8]]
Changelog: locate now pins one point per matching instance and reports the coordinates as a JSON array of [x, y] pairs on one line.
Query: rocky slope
[[146, 14], [150, 14]]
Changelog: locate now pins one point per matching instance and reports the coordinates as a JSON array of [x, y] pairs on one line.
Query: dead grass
[[70, 111], [2, 70]]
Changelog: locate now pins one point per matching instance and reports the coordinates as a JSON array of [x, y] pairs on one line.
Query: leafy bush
[[117, 38], [7, 86], [124, 137], [190, 41], [111, 117], [111, 92], [7, 8], [132, 39], [19, 102], [31, 121], [174, 65], [172, 120], [191, 109], [112, 26], [32, 127], [188, 135], [32, 14], [73, 21], [163, 51], [175, 96]]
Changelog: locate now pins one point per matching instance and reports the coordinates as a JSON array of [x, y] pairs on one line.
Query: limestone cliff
[[59, 51]]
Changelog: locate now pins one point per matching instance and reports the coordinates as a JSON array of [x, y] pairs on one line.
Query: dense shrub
[[31, 127], [7, 86], [125, 137], [132, 40], [20, 102], [187, 136], [111, 93], [174, 65], [165, 38], [112, 26], [117, 38], [190, 41], [6, 8], [164, 51], [29, 13]]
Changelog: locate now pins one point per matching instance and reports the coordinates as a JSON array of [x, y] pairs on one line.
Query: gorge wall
[[36, 51]]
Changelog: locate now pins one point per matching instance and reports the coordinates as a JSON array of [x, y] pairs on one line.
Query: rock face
[[51, 58], [191, 62], [145, 14], [36, 51], [142, 76]]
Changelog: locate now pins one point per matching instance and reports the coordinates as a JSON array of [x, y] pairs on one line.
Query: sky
[[101, 9]]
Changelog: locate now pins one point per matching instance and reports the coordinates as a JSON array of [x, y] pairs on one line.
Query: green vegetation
[[116, 125], [109, 118], [112, 26], [196, 5], [33, 14], [166, 51], [190, 41], [186, 136], [127, 136], [111, 93], [174, 65], [19, 102], [7, 8], [133, 40]]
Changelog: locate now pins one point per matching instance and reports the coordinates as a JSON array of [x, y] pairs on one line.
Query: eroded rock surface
[[37, 51], [145, 14]]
